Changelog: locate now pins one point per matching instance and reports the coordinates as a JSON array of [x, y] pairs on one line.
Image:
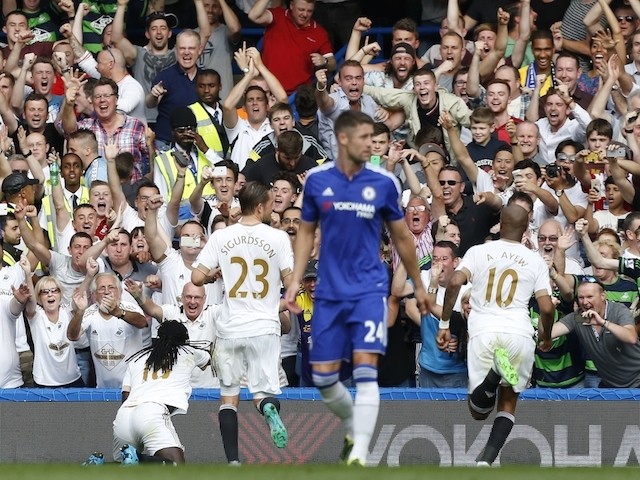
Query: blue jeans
[[429, 379], [591, 380]]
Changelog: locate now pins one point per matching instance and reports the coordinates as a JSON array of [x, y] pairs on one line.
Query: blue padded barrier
[[311, 394]]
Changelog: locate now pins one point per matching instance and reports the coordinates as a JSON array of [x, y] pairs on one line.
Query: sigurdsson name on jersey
[[363, 210], [248, 240]]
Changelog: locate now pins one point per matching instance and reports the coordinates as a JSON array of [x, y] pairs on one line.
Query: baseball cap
[[15, 182], [170, 18], [403, 47], [183, 117], [432, 147], [311, 270]]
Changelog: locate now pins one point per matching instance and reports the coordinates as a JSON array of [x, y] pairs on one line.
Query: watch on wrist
[[27, 153], [559, 193], [432, 290]]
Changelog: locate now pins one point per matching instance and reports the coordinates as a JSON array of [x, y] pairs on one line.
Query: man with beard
[[148, 61], [398, 72], [281, 119], [288, 157], [348, 97], [290, 222], [223, 202], [556, 126]]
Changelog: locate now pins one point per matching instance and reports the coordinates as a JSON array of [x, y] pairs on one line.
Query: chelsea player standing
[[351, 199]]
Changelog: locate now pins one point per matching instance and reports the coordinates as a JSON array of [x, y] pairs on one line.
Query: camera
[[619, 152], [190, 242], [553, 170]]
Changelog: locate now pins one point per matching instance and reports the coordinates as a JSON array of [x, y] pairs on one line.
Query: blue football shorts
[[339, 328]]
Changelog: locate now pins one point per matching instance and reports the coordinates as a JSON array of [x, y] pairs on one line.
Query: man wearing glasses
[[607, 333], [111, 328], [474, 219], [108, 124]]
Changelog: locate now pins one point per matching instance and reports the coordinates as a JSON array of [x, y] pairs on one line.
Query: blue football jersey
[[351, 214]]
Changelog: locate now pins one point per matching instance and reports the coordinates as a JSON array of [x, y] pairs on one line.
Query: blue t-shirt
[[351, 214]]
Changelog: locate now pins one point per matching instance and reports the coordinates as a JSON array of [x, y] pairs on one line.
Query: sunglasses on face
[[627, 18], [449, 182], [417, 208], [564, 157], [47, 291]]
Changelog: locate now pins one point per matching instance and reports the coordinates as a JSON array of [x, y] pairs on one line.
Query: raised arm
[[30, 302], [276, 88], [533, 113], [231, 21], [260, 14], [598, 106], [157, 245], [118, 37], [326, 104], [6, 112], [453, 18], [595, 257], [474, 90], [230, 115], [42, 253], [17, 97], [173, 205], [520, 45], [353, 46], [71, 89], [204, 27], [489, 64], [459, 150], [111, 150], [149, 307]]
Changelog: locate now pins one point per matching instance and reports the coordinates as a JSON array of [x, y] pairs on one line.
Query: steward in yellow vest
[[189, 150]]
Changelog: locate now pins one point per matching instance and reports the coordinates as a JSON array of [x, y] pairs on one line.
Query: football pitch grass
[[305, 472]]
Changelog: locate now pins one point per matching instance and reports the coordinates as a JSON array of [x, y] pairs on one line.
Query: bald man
[[504, 275], [111, 64]]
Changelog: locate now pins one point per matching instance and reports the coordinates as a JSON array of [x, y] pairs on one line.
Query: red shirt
[[501, 131], [288, 48]]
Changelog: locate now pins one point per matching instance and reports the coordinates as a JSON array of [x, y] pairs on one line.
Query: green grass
[[304, 472]]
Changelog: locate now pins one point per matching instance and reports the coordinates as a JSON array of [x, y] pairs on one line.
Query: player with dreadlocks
[[155, 387]]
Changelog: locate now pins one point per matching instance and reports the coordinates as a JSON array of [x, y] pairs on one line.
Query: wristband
[[444, 324], [627, 130], [321, 89], [66, 70], [181, 175]]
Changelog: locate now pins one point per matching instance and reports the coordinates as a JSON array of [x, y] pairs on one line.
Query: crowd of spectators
[[125, 137]]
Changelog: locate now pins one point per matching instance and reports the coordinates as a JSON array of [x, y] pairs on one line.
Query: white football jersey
[[251, 259], [504, 276], [171, 388]]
